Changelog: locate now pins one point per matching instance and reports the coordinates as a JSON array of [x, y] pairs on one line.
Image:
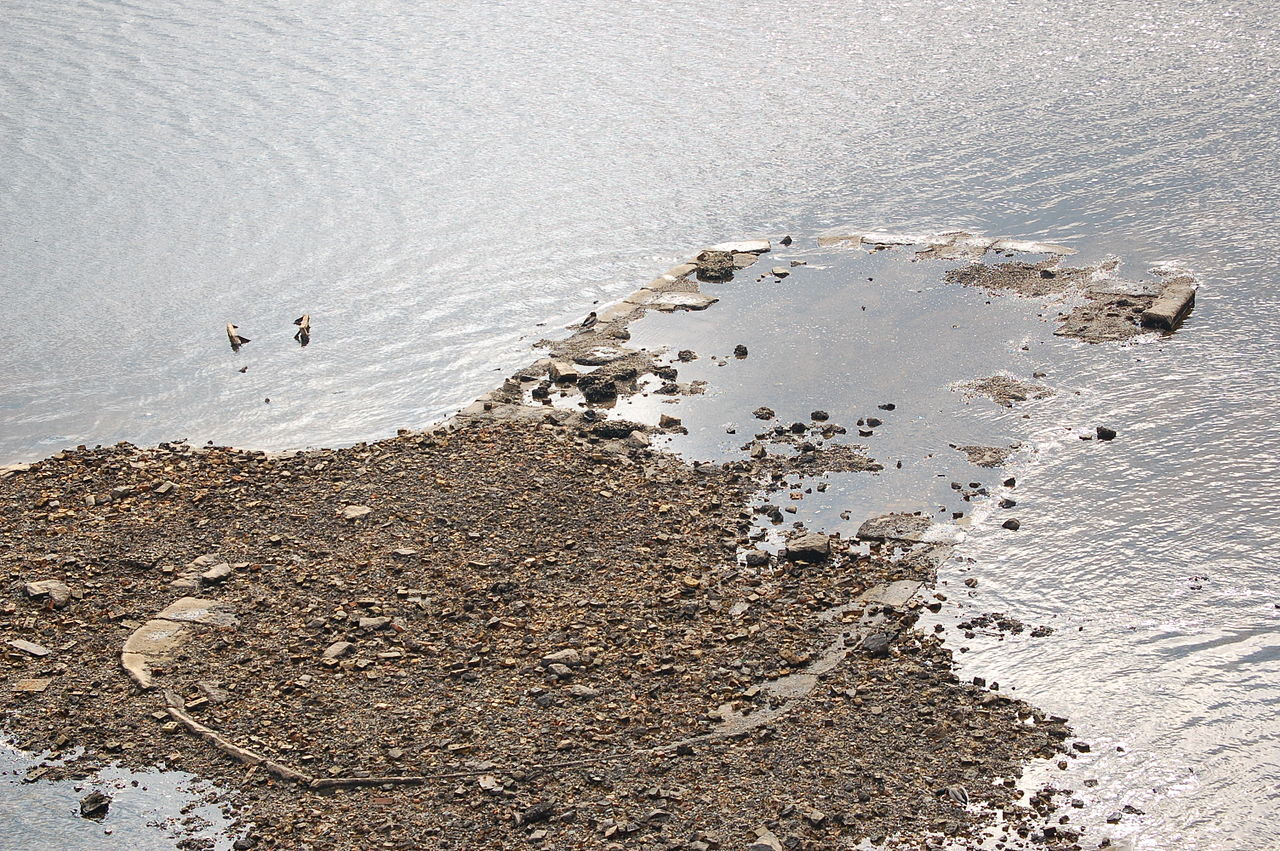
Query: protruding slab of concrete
[[683, 301], [895, 594], [1172, 305], [745, 246], [894, 527]]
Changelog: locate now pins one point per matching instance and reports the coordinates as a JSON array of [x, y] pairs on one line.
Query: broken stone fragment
[[780, 271], [374, 623], [876, 645], [763, 413], [600, 356], [743, 246], [57, 592], [337, 649], [683, 301], [742, 261], [217, 573], [568, 656], [755, 558], [94, 805], [766, 840], [1172, 304], [563, 371], [355, 512], [905, 527], [812, 546], [668, 421], [29, 647]]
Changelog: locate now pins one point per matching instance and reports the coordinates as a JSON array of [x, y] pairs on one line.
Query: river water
[[438, 187]]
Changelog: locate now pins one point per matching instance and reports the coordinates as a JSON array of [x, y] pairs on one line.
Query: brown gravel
[[486, 550]]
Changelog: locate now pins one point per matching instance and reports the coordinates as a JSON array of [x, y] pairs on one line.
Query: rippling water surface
[[432, 183]]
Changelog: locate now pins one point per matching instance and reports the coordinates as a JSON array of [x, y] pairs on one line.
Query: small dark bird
[[233, 334], [244, 369], [303, 334], [591, 320]]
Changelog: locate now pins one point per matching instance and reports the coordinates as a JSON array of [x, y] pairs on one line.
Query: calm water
[[432, 184]]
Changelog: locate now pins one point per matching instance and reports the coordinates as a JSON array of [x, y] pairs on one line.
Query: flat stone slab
[[33, 685], [683, 301], [57, 592], [600, 356], [154, 642], [29, 647], [13, 469], [895, 594], [355, 512], [897, 527], [1172, 305], [197, 610], [745, 246]]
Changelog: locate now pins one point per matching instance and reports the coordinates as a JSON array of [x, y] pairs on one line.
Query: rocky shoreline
[[524, 626]]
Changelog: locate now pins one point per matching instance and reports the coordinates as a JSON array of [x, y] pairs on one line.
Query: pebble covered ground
[[539, 619]]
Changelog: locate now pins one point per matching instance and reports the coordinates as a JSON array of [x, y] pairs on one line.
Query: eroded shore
[[525, 625]]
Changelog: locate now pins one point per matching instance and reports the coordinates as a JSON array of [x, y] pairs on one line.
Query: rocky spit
[[522, 628]]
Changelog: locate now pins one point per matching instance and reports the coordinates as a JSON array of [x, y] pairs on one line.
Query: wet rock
[[1172, 305], [986, 456], [745, 246], [780, 271], [355, 512], [786, 240], [755, 558], [598, 388], [894, 527], [820, 416], [714, 265], [1012, 525], [94, 805], [682, 301], [739, 351], [686, 356], [1105, 433], [742, 261], [668, 421], [763, 413], [811, 547], [599, 356], [57, 592]]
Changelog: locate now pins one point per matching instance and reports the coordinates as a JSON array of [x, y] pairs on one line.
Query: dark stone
[[812, 546], [615, 429], [763, 413], [739, 351], [538, 813], [94, 805], [887, 406], [786, 240], [715, 265], [820, 416], [877, 644], [1012, 525], [1105, 433]]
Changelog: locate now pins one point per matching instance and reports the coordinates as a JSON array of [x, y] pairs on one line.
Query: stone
[[1105, 433], [94, 805], [780, 271], [154, 642], [1011, 524], [599, 356], [812, 546], [559, 671], [715, 265], [57, 592], [683, 301], [563, 657], [337, 650], [745, 246], [755, 558], [668, 421], [563, 371], [742, 261], [355, 512], [1172, 305], [876, 644], [197, 610], [374, 623], [217, 573], [29, 647], [583, 692], [766, 840], [739, 351], [819, 416], [763, 413], [32, 685], [13, 469], [539, 812], [902, 527]]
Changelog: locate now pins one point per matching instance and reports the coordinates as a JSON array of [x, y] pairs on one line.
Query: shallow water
[[431, 186], [149, 810]]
